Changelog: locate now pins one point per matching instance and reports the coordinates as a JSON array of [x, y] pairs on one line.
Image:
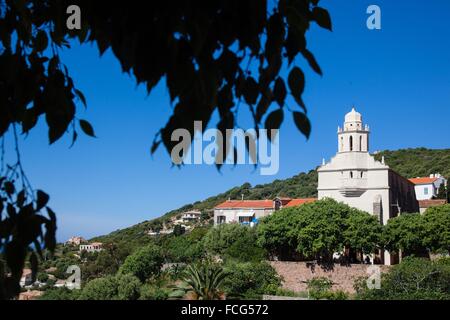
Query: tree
[[442, 192], [178, 230], [202, 281], [144, 263], [317, 230], [406, 233], [437, 228], [119, 287], [363, 232], [219, 238]]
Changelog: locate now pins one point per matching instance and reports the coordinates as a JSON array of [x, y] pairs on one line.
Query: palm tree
[[201, 282]]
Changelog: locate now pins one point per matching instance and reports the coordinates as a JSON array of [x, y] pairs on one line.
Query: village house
[[93, 247], [76, 241], [249, 211], [427, 187], [192, 215], [27, 278]]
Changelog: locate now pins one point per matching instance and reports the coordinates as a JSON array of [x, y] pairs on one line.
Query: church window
[[362, 174], [360, 143], [351, 174], [351, 143]]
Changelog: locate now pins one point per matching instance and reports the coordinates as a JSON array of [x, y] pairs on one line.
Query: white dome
[[353, 116]]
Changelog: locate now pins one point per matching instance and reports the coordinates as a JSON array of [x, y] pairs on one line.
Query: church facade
[[354, 177]]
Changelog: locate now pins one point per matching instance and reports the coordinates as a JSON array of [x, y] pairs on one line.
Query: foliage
[[42, 277], [419, 162], [317, 230], [144, 263], [22, 226], [202, 281], [405, 232], [251, 279], [437, 228], [319, 288], [182, 249], [152, 292], [60, 294], [412, 279], [178, 230], [105, 262], [119, 287]]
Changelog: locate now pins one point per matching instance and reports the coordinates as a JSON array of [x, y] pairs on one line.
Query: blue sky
[[397, 77]]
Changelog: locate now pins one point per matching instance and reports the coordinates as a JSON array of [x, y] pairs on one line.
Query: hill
[[407, 162]]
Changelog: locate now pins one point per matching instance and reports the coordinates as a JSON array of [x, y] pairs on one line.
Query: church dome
[[353, 116]]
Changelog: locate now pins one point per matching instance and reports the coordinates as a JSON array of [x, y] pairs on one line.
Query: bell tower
[[353, 137]]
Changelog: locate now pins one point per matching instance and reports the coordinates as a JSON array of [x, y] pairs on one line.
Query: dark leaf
[[312, 61], [273, 121], [87, 128], [302, 123], [41, 41], [322, 17], [279, 92], [42, 200], [80, 95]]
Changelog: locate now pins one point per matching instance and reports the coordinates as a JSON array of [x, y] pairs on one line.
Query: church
[[354, 177]]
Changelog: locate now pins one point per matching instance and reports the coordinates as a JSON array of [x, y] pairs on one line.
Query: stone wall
[[295, 274]]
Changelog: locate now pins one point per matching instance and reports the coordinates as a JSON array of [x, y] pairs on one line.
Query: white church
[[354, 177]]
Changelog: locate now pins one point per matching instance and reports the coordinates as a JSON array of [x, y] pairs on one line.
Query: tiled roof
[[423, 180], [261, 204], [297, 202]]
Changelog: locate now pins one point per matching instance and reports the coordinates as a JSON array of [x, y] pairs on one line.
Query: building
[[93, 247], [191, 216], [354, 177], [249, 211], [76, 241], [428, 187]]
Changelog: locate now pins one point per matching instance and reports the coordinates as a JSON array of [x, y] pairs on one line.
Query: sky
[[397, 77]]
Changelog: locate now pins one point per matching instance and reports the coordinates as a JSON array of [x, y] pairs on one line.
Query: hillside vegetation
[[407, 162]]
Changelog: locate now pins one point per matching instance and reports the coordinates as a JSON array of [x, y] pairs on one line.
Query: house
[[354, 177], [93, 247], [76, 241], [249, 211], [27, 278], [427, 187], [191, 215]]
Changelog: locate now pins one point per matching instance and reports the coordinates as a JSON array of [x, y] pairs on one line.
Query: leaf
[[322, 17], [302, 122], [34, 266], [81, 96], [296, 82], [250, 91], [273, 121], [42, 200], [87, 128], [279, 92], [9, 187], [21, 197], [312, 61]]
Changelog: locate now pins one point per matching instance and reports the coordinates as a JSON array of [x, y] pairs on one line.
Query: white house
[[26, 278], [354, 177], [191, 215], [76, 241], [93, 247], [427, 187], [249, 211]]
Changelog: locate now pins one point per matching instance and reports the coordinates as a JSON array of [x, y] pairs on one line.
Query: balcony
[[353, 187]]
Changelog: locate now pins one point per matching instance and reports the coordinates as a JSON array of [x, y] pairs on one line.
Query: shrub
[[250, 279], [119, 287], [412, 279], [144, 263]]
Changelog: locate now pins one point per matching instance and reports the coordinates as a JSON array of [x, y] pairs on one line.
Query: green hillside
[[407, 162]]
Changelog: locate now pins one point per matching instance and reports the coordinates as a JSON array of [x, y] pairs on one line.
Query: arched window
[[342, 143], [351, 143], [360, 143], [351, 174]]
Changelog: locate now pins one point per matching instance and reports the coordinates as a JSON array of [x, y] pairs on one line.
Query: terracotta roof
[[260, 204], [423, 180], [297, 202], [431, 203]]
